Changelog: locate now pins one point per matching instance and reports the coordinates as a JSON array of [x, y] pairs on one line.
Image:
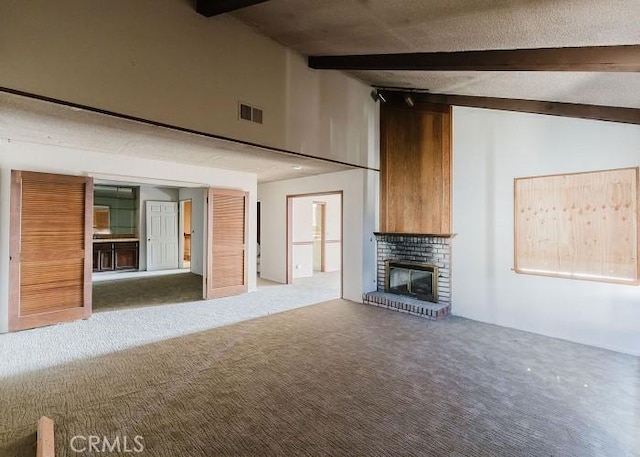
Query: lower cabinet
[[110, 256], [126, 256]]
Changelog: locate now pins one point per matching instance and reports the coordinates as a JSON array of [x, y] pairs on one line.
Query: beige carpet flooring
[[146, 291], [339, 379]]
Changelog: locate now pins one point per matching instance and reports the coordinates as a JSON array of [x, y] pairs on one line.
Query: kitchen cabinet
[[111, 255]]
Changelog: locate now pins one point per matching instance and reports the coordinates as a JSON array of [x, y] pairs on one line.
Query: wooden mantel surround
[[415, 167]]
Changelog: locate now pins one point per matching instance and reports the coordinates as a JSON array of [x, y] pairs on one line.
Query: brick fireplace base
[[407, 305], [431, 249]]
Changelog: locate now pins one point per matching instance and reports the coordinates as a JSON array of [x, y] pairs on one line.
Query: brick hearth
[[406, 304], [430, 249]]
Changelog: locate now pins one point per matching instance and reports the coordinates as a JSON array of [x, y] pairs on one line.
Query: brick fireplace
[[422, 251], [415, 208]]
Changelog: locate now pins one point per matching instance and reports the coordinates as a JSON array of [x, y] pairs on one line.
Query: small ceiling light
[[408, 99], [297, 167]]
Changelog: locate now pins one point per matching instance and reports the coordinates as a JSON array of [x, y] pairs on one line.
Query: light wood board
[[581, 225]]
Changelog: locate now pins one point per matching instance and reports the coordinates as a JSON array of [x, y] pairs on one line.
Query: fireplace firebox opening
[[417, 280]]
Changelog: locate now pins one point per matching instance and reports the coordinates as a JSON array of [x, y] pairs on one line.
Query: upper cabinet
[[415, 168]]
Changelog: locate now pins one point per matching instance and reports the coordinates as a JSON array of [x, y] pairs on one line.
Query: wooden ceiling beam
[[625, 58], [574, 110], [211, 8]]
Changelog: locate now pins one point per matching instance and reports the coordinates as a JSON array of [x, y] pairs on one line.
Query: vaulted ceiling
[[348, 27]]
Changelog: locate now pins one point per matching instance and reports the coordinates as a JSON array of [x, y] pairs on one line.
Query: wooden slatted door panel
[[227, 259], [51, 236]]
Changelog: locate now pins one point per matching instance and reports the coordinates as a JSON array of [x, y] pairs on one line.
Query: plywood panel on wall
[[415, 169], [582, 225]]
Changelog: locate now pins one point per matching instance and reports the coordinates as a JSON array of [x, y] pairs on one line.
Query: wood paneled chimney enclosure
[[415, 167]]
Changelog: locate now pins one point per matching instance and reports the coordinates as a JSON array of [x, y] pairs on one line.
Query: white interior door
[[162, 235]]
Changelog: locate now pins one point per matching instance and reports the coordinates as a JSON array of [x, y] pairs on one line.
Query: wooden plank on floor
[[45, 443]]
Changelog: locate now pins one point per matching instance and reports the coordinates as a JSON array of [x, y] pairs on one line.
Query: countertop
[[114, 240]]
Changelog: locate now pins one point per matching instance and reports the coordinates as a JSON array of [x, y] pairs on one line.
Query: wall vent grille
[[245, 112], [250, 113], [257, 115]]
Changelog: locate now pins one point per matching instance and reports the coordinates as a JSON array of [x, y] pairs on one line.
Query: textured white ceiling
[[333, 27], [26, 119], [609, 89]]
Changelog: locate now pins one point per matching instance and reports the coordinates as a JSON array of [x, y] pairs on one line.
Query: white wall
[[150, 193], [20, 155], [491, 148], [198, 226], [160, 60], [330, 115], [155, 59], [360, 220]]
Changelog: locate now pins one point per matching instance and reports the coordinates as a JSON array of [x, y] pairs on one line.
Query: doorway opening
[[314, 240], [185, 233], [145, 243]]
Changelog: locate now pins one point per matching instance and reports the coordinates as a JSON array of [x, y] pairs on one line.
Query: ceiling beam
[[624, 58], [211, 8], [575, 110]]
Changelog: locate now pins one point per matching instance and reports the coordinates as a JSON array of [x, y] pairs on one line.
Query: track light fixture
[[408, 99], [377, 96]]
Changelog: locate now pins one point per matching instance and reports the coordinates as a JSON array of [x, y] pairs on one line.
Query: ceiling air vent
[[250, 113]]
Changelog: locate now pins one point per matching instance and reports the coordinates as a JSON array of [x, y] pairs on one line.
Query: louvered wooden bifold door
[[51, 237], [227, 253]]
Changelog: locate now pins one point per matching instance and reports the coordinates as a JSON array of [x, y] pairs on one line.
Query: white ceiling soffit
[[338, 27], [26, 119]]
